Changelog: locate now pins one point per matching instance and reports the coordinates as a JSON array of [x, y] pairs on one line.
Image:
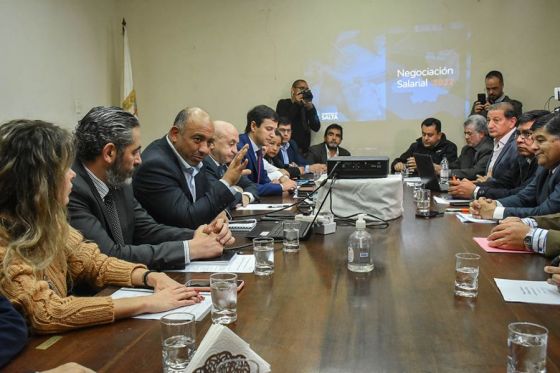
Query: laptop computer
[[273, 229], [425, 168]]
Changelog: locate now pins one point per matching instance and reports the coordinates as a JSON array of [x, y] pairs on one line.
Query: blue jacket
[[294, 155], [540, 197], [505, 172], [13, 331], [264, 186]]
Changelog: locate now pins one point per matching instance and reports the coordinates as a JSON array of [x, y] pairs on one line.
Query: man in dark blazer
[[511, 174], [262, 121], [494, 82], [542, 195], [103, 208], [476, 153], [289, 154], [171, 182], [222, 153], [329, 148]]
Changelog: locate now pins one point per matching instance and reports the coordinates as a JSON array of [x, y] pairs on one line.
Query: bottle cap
[[361, 223]]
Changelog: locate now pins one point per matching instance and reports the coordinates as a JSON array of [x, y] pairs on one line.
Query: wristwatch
[[528, 240]]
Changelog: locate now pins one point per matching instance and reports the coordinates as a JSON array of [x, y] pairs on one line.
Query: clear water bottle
[[360, 248], [444, 173]]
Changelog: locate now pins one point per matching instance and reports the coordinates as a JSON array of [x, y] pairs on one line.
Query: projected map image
[[407, 73]]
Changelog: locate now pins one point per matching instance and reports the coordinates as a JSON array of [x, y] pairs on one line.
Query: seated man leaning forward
[[475, 154], [542, 195], [433, 143], [514, 163], [171, 183], [42, 258], [103, 208]]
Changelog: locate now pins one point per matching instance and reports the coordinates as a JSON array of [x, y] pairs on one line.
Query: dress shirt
[[103, 190], [329, 154], [538, 235], [189, 171]]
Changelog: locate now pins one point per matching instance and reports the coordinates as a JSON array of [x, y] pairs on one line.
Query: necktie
[[191, 182], [259, 165], [113, 217], [222, 170]]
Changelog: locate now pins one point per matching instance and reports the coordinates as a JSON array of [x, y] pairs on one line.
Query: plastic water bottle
[[360, 248], [444, 173]]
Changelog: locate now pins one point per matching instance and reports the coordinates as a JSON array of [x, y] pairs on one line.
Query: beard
[[332, 145], [117, 176]]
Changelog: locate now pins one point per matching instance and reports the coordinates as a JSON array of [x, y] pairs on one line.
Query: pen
[[457, 210]]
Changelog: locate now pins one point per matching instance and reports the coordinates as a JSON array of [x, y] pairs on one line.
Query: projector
[[358, 167]]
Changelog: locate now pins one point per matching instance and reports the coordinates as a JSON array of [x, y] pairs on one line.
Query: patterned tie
[[222, 170], [259, 165], [191, 182], [113, 216]]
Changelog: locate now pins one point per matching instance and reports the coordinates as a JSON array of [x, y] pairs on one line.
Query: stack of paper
[[221, 344], [199, 309], [539, 292], [468, 218], [237, 264]]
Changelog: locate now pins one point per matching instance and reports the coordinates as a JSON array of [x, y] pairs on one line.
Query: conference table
[[314, 315]]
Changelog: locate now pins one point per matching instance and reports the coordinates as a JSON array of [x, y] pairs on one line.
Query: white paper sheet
[[237, 264], [264, 206], [468, 218], [539, 292], [199, 310]]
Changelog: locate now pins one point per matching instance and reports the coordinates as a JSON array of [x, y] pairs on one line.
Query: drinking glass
[[223, 288], [291, 236], [423, 202], [466, 274], [526, 347], [263, 249], [178, 336]]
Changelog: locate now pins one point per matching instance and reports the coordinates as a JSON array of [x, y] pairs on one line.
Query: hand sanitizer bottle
[[360, 248]]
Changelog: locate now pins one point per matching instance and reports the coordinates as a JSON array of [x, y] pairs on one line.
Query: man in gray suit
[[329, 148], [222, 153], [103, 208]]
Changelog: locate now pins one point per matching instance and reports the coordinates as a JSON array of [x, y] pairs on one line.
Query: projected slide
[[408, 73]]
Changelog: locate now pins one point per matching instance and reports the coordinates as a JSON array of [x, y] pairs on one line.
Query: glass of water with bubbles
[[178, 340], [526, 347], [223, 287]]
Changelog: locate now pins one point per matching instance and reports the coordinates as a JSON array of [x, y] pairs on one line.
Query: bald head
[[192, 134], [226, 138]]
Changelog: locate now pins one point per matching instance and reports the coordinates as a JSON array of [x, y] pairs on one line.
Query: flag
[[129, 94]]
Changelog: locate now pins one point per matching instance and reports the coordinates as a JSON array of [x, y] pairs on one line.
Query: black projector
[[358, 167]]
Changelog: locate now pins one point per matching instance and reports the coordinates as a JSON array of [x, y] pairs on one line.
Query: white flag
[[129, 94]]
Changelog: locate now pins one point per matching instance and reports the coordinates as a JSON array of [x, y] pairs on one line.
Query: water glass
[[291, 236], [466, 274], [223, 288], [526, 347], [263, 249], [416, 188], [423, 202], [237, 366], [178, 336]]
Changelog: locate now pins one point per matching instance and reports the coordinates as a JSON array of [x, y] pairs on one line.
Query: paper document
[[451, 201], [483, 242], [468, 218], [237, 264], [199, 309], [539, 292]]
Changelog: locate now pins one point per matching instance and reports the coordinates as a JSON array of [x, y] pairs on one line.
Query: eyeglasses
[[524, 135]]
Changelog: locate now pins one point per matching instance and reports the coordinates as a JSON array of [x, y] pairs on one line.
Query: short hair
[[429, 122], [495, 74], [334, 126], [100, 126], [531, 115], [506, 107], [258, 114], [479, 122], [283, 121], [278, 133], [550, 123], [183, 117], [296, 82]]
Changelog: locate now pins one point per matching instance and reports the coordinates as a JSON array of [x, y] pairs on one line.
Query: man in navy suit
[[512, 171], [171, 183], [222, 153], [542, 195], [289, 152], [261, 123]]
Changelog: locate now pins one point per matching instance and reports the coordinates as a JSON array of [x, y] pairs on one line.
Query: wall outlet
[[557, 93]]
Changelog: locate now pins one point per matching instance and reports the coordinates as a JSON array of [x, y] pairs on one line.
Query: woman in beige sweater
[[42, 257]]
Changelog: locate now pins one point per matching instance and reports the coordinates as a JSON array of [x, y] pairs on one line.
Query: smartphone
[[201, 284], [481, 97]]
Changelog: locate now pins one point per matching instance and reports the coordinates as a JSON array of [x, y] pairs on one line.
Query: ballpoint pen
[[457, 210]]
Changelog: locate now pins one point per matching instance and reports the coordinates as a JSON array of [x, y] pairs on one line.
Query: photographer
[[301, 112]]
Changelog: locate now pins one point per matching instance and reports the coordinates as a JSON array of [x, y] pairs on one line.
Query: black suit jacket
[[318, 153], [526, 170], [156, 245], [473, 161], [160, 186], [303, 121], [214, 175]]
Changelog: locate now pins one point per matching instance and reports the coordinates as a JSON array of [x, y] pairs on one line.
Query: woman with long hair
[[42, 257]]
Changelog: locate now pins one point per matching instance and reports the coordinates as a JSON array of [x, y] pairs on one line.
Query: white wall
[[58, 58], [229, 55]]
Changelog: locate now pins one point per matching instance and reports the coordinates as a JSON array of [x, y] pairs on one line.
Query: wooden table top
[[313, 315]]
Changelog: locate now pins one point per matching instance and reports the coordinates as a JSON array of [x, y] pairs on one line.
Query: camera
[[306, 95]]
